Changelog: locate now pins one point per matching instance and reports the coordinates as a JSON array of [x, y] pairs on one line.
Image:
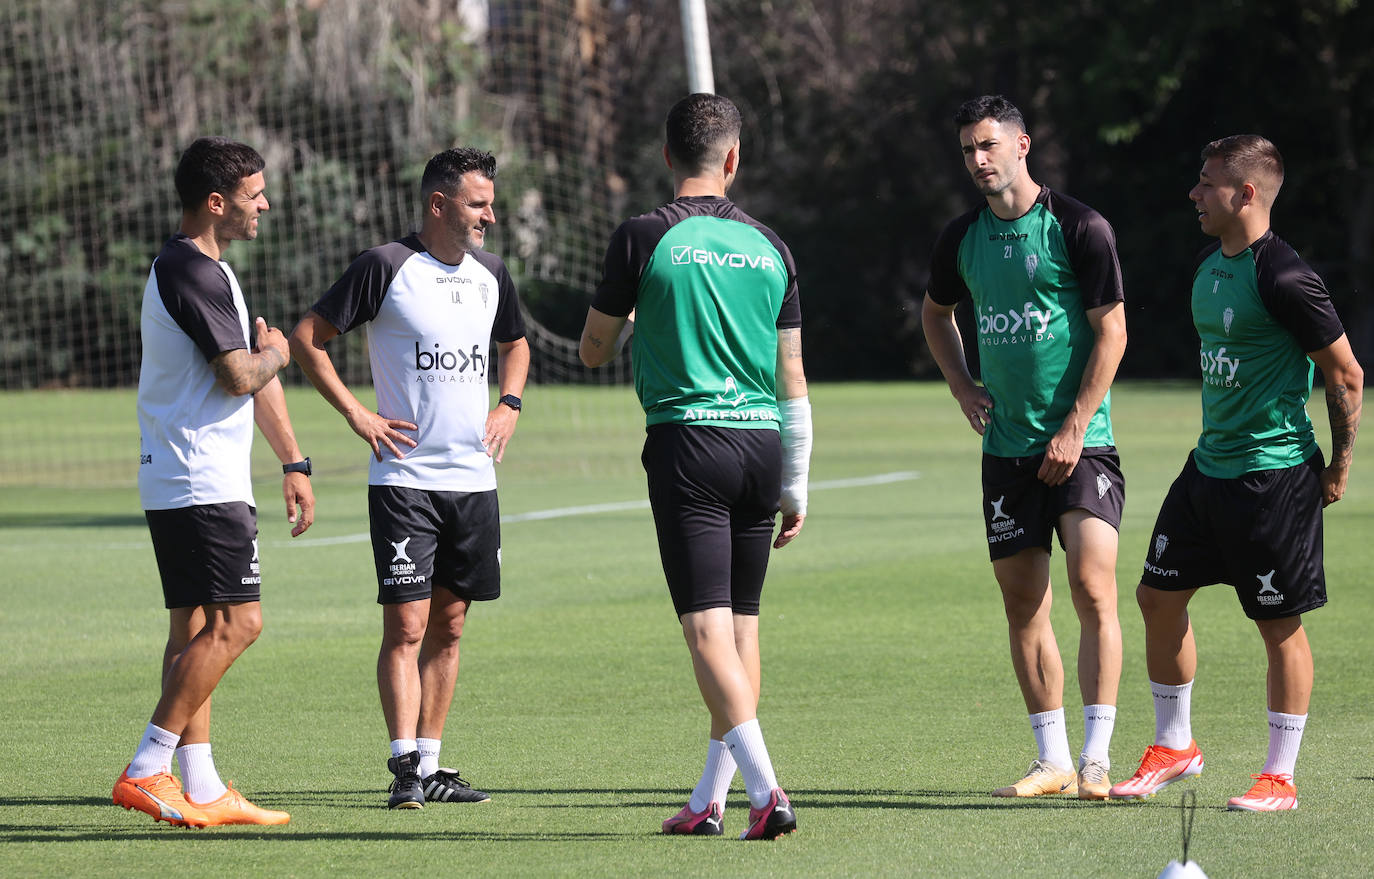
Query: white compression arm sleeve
[[796, 453]]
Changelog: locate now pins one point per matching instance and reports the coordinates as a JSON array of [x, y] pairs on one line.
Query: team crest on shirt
[[1032, 261], [1227, 317], [1268, 594], [1161, 544], [482, 288], [1103, 483]]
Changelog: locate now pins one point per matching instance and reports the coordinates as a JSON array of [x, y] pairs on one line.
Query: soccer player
[[1247, 508], [202, 385], [1043, 274], [718, 370], [432, 302]]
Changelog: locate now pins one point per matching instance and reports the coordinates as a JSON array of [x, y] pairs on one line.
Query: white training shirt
[[430, 327], [195, 438]]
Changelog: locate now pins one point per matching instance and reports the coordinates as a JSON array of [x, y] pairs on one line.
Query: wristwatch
[[298, 467], [510, 400]]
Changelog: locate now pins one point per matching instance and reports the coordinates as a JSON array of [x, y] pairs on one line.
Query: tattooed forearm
[[789, 344], [1343, 406], [242, 372]]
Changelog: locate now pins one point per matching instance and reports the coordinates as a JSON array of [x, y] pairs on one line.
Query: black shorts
[[206, 554], [422, 539], [714, 492], [1021, 512], [1260, 533]]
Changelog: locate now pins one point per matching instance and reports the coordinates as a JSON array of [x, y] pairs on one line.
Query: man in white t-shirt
[[202, 385], [433, 304]]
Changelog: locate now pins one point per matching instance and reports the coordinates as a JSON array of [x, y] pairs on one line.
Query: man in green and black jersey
[[718, 370], [1247, 508], [1042, 271]]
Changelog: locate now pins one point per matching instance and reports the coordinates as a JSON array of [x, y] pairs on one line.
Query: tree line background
[[848, 147]]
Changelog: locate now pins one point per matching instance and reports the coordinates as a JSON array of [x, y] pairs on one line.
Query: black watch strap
[[298, 467], [510, 400]]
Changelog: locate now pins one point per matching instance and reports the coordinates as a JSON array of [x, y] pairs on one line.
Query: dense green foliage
[[848, 147]]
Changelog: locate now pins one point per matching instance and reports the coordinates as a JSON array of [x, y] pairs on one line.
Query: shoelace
[[1093, 771], [1156, 757], [1272, 780], [451, 776]]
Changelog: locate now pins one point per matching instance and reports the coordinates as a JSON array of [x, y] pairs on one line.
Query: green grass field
[[889, 703]]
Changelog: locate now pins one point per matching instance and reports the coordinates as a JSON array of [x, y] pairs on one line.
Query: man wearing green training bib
[[711, 296], [1042, 271], [1247, 508]]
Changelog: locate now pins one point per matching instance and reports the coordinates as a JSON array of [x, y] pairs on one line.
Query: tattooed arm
[[241, 371], [603, 336], [1344, 396]]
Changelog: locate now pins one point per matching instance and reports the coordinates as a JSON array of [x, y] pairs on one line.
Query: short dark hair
[[997, 107], [214, 164], [1246, 157], [701, 128], [444, 173]]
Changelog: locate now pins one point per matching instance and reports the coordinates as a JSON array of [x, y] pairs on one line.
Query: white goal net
[[346, 100]]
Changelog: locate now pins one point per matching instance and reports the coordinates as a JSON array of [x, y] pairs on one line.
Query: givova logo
[[1010, 327], [1219, 368], [686, 254]]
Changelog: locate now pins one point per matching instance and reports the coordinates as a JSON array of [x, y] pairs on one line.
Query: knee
[[1023, 604], [1283, 635], [444, 636], [243, 626], [707, 631], [1158, 605], [403, 634], [1095, 598]]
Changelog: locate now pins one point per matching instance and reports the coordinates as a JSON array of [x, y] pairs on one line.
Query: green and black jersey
[[711, 287], [1032, 280], [1257, 315]]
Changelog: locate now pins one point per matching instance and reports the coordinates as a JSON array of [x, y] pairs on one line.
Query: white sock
[[154, 752], [1098, 723], [199, 779], [1285, 735], [1052, 738], [715, 778], [429, 756], [401, 747], [1173, 714], [751, 755]]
